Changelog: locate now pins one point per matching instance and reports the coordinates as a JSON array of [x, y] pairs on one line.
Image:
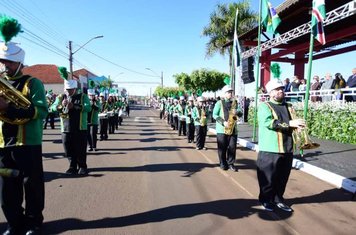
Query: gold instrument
[[202, 117], [64, 113], [15, 97], [302, 140], [231, 120]]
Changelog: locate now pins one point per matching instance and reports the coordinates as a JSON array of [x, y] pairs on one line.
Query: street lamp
[[157, 75], [72, 53]]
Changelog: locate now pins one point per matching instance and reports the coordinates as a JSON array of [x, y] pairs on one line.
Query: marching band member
[[93, 121], [21, 141], [110, 107], [199, 114], [190, 121], [50, 116], [180, 108], [161, 108], [104, 121], [73, 108], [276, 146], [174, 115], [225, 113]]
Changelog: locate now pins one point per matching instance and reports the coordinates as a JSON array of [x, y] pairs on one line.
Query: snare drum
[[103, 116]]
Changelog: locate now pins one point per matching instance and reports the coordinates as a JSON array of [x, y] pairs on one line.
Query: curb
[[327, 176]]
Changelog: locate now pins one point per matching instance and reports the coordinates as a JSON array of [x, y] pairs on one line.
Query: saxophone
[[202, 116], [302, 140], [231, 120]]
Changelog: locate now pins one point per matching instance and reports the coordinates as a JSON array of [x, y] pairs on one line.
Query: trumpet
[[302, 140]]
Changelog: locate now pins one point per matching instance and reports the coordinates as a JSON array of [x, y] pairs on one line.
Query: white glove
[[297, 123]]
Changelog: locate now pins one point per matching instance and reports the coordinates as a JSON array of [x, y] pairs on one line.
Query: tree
[[220, 29], [203, 80]]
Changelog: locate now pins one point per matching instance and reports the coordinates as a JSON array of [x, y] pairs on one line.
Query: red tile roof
[[47, 73], [83, 72]]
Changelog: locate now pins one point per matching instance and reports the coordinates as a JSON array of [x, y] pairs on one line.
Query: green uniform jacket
[[269, 139], [196, 115], [218, 115], [31, 132], [189, 109], [93, 115], [85, 108]]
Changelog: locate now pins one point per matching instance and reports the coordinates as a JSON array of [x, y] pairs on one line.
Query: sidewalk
[[332, 162]]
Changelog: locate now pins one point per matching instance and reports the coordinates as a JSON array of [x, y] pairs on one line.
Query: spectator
[[351, 83], [338, 83], [287, 85], [314, 87], [302, 86], [295, 84], [327, 86]]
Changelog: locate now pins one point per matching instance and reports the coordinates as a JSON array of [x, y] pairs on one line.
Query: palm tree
[[221, 27]]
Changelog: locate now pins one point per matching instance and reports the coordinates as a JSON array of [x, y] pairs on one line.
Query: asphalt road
[[148, 180]]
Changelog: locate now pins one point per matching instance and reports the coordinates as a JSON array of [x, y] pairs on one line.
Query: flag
[[269, 17], [318, 16], [236, 45]]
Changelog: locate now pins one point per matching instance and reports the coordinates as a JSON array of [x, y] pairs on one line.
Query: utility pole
[[70, 59]]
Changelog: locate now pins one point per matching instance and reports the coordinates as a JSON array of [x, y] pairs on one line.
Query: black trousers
[[190, 131], [226, 149], [50, 119], [161, 114], [75, 148], [116, 120], [273, 170], [92, 135], [201, 135], [111, 125], [182, 127], [29, 185], [175, 123], [104, 129]]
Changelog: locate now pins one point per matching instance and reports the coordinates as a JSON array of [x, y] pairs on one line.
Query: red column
[[299, 65], [265, 67]]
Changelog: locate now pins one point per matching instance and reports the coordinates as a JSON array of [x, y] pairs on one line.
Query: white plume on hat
[[227, 88], [70, 84], [273, 84]]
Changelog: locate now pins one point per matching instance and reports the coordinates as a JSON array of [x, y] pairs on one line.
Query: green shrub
[[329, 120]]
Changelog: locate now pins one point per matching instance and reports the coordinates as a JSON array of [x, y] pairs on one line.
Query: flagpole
[[310, 63], [257, 73]]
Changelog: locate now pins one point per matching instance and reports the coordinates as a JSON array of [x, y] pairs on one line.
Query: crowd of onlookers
[[329, 82]]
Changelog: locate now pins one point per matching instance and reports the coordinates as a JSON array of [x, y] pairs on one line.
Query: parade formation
[[91, 116]]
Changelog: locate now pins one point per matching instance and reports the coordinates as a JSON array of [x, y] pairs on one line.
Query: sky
[[164, 36]]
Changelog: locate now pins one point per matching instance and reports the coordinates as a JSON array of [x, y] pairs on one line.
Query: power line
[[117, 65]]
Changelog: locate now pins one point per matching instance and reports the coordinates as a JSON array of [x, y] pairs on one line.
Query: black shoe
[[198, 148], [95, 149], [71, 171], [284, 207], [233, 168], [267, 206], [12, 231], [189, 141], [205, 148], [34, 231], [83, 171], [90, 149], [224, 168]]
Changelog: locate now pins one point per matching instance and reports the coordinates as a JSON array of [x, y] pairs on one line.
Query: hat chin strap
[[17, 70]]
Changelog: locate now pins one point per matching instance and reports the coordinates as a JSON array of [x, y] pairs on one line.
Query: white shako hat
[[181, 98], [190, 98], [70, 84], [102, 94], [273, 84], [9, 28], [227, 88], [91, 92], [200, 99]]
